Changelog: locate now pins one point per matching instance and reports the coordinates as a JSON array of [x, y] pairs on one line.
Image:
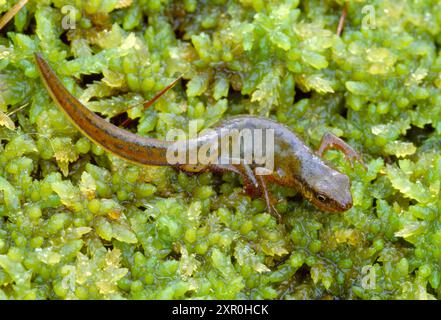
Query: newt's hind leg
[[330, 141]]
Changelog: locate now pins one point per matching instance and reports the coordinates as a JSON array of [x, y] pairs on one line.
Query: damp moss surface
[[79, 223]]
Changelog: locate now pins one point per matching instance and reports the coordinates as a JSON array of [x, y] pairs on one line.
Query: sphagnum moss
[[78, 223]]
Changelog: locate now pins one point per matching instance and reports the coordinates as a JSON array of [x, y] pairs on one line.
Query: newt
[[295, 164]]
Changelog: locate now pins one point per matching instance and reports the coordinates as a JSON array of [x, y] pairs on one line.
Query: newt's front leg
[[330, 141], [254, 184], [249, 180], [270, 201]]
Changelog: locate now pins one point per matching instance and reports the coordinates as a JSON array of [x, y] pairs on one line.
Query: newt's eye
[[321, 198]]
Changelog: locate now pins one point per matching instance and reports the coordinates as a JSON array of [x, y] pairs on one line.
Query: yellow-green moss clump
[[78, 223]]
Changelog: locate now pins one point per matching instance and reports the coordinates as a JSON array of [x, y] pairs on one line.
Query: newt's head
[[326, 188]]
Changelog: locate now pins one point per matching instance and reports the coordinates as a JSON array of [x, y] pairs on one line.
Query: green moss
[[78, 223]]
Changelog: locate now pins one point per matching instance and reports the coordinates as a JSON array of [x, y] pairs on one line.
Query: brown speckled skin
[[295, 165]]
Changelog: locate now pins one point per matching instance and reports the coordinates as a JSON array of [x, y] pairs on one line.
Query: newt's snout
[[329, 190], [331, 205], [345, 204], [341, 197]]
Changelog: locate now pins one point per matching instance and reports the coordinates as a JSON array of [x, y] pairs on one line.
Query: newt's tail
[[119, 142]]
